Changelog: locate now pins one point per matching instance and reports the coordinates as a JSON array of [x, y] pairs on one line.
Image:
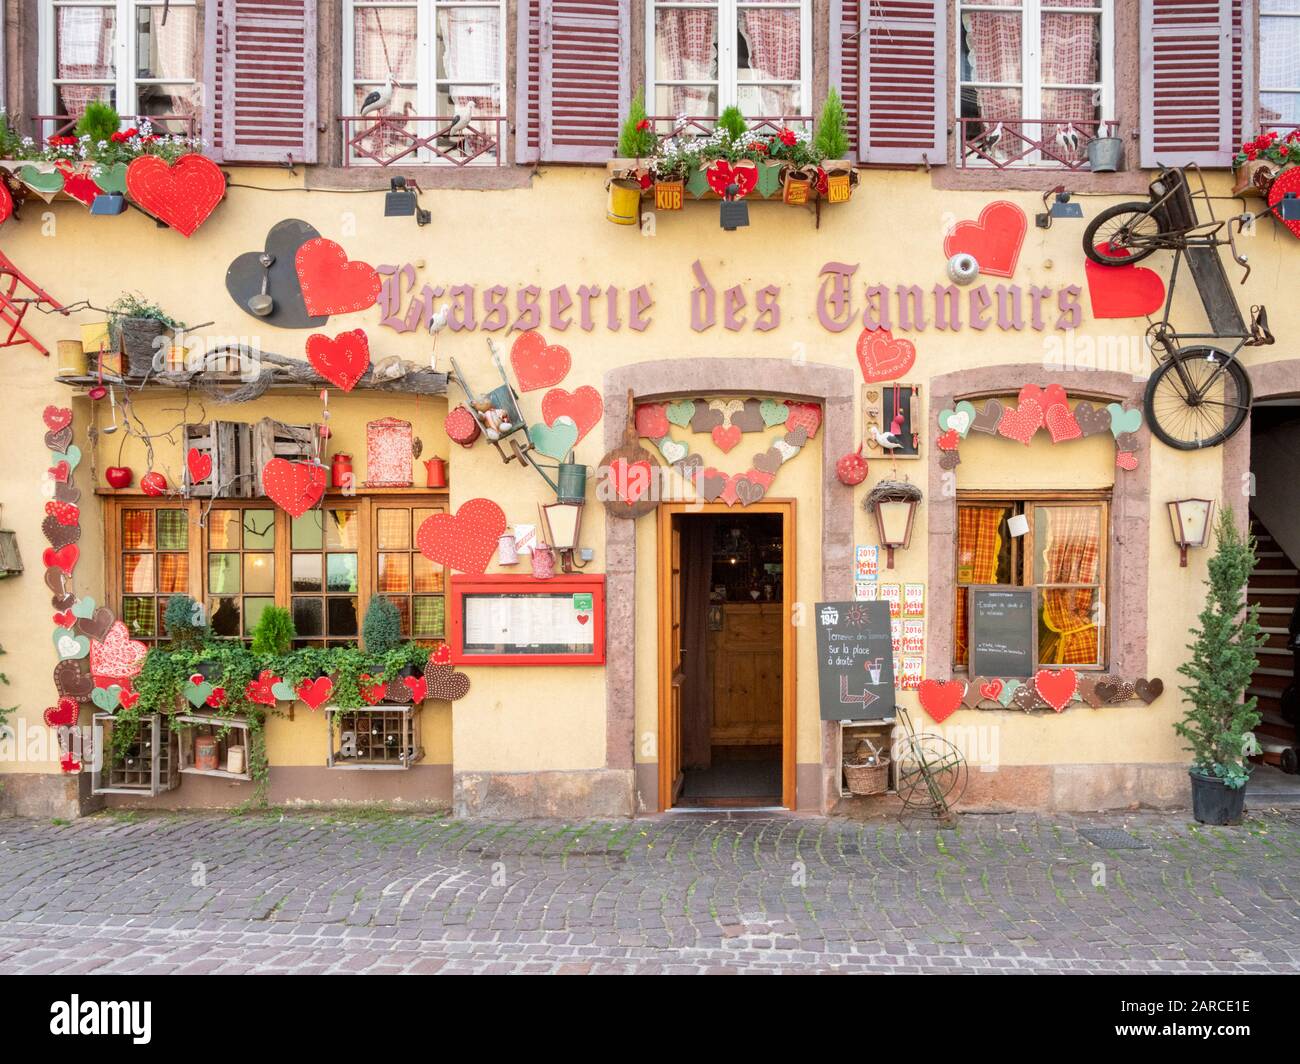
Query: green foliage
[[274, 632], [831, 141], [1218, 723], [5, 710], [636, 137], [99, 121], [732, 122], [179, 620], [382, 629], [134, 305]]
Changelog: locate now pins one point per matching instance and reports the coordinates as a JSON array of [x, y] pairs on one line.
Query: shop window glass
[[153, 565]]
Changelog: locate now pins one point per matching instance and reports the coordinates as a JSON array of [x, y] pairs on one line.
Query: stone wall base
[[590, 793], [46, 795]]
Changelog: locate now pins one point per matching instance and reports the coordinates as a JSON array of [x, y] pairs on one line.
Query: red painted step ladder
[[15, 303]]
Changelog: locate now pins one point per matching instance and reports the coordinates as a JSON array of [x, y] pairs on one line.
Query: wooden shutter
[[528, 68], [844, 63], [1187, 82], [580, 70], [903, 69], [260, 67]]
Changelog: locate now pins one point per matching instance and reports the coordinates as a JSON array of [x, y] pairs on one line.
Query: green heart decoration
[[680, 414], [72, 456], [698, 183], [44, 183], [107, 698], [555, 441], [69, 645], [1008, 691], [1122, 420], [84, 608], [961, 418], [112, 178], [197, 693], [772, 412], [283, 692], [672, 450], [769, 179]]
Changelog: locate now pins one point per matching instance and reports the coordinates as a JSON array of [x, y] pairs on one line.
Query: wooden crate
[[276, 439], [149, 765], [229, 731], [230, 444], [383, 737]]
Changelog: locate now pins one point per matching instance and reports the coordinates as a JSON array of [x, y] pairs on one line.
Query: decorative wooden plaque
[[388, 453]]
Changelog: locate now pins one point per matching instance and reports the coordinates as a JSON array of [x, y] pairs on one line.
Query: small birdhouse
[[388, 453], [11, 561]]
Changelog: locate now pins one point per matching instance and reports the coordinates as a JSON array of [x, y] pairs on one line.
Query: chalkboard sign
[[1003, 630], [855, 660]]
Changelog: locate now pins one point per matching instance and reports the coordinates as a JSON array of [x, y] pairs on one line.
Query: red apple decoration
[[153, 483], [118, 477], [852, 468]]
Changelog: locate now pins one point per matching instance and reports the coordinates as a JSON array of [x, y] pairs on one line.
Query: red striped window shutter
[[261, 77], [1189, 92], [574, 82], [844, 63], [903, 68]]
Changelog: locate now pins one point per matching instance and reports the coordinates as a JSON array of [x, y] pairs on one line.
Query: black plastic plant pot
[[209, 670], [1214, 802], [411, 670]]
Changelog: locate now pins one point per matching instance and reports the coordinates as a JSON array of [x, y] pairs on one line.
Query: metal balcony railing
[[46, 126], [702, 125], [423, 140], [1028, 144]]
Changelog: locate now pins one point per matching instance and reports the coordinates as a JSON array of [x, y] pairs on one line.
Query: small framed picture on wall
[[891, 420]]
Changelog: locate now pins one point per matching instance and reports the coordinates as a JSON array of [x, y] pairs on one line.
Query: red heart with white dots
[[466, 540], [57, 417]]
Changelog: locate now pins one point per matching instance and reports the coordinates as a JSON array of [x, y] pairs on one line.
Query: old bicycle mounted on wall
[[1199, 394]]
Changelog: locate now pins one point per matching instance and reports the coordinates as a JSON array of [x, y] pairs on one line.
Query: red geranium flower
[[761, 146], [788, 137], [643, 125], [646, 180]]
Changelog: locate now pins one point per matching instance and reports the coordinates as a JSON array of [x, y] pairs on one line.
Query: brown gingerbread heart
[[1092, 420], [444, 683], [1026, 696], [749, 491], [987, 420], [72, 679], [1088, 691], [769, 461], [949, 459], [96, 626], [711, 486], [59, 535], [397, 691], [797, 437], [58, 439], [65, 491], [750, 419], [705, 418], [1149, 690]]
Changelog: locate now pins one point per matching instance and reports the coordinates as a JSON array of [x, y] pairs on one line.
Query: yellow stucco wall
[[529, 718]]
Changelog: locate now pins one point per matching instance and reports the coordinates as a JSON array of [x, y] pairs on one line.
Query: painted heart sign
[[295, 487], [584, 406], [466, 540], [331, 282], [118, 656], [721, 175], [1123, 291], [341, 360], [882, 357], [315, 692], [182, 193], [536, 363], [199, 465], [994, 239], [941, 699]]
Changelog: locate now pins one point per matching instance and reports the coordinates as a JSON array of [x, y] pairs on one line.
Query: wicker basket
[[867, 771]]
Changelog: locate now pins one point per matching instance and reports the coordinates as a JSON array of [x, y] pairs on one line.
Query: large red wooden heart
[[584, 405], [416, 686], [883, 358], [342, 360], [806, 416], [465, 540], [372, 692], [1020, 423], [118, 656], [722, 174], [182, 194], [652, 421], [259, 690], [199, 464], [293, 486], [332, 283], [6, 202], [1123, 291], [64, 715], [1287, 181], [994, 239], [536, 363], [64, 558], [1056, 688], [630, 480], [315, 692], [726, 437], [941, 698], [57, 417]]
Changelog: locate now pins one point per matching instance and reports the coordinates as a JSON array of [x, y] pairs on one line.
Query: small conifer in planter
[[274, 632]]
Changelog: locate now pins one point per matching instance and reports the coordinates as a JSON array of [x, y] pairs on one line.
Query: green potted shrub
[[138, 326], [1219, 720], [838, 176], [382, 629], [274, 633], [99, 121]]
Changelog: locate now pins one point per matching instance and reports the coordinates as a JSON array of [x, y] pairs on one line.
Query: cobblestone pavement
[[316, 892]]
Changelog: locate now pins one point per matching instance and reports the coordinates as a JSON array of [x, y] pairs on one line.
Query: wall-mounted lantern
[[562, 523], [1190, 521], [893, 502]]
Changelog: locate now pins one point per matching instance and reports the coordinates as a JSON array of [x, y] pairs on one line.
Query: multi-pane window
[[1033, 72], [325, 575], [1063, 555], [705, 56], [439, 57], [1279, 63], [412, 582], [153, 564], [141, 56], [240, 568]]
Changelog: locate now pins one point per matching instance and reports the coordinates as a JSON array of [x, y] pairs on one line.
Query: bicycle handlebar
[[1240, 259]]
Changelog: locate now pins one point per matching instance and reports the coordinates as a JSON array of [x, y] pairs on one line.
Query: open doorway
[[726, 679]]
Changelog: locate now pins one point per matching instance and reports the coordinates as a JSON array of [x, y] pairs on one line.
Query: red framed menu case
[[505, 619]]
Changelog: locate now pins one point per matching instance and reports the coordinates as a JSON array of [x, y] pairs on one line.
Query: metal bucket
[[623, 206], [572, 485], [1106, 155]]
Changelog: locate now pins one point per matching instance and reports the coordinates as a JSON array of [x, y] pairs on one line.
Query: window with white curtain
[[1041, 68], [141, 56], [1279, 63], [704, 56], [446, 58]]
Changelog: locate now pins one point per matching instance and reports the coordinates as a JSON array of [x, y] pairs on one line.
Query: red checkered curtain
[[1070, 57], [86, 44], [685, 44], [773, 41], [384, 42], [979, 546], [471, 39], [1070, 555]]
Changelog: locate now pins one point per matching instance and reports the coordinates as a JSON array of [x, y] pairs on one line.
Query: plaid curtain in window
[[1072, 554], [685, 41], [429, 617], [86, 41], [773, 41], [979, 544], [471, 41]]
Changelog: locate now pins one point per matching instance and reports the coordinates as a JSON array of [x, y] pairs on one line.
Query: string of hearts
[[1047, 689], [438, 680], [98, 659], [1039, 408]]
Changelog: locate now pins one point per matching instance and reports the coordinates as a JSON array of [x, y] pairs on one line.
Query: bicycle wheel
[[930, 774], [1121, 235], [1206, 407]]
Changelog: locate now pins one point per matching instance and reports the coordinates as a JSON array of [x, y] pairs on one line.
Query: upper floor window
[[428, 77], [704, 56], [1279, 63], [1036, 79], [141, 56]]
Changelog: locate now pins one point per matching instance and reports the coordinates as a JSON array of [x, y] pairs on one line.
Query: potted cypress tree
[[1219, 720]]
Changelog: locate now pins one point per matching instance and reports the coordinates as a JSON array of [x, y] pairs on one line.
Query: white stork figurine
[[380, 98], [1069, 139], [988, 141], [888, 441]]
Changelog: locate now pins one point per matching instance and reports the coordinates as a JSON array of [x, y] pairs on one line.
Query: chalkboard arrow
[[865, 699]]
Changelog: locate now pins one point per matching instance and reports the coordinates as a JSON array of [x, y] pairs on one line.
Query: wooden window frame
[[1023, 553], [367, 565], [1256, 92], [388, 503]]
